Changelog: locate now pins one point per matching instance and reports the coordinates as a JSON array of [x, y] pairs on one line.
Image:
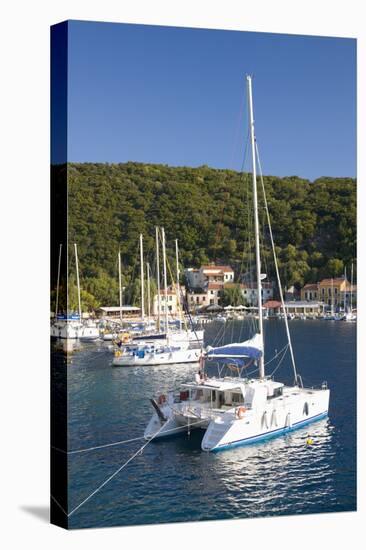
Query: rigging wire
[[276, 265]]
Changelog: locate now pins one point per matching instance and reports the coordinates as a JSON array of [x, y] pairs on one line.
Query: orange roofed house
[[200, 278], [206, 284], [336, 291]]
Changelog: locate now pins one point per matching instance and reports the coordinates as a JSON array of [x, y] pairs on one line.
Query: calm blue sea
[[173, 480]]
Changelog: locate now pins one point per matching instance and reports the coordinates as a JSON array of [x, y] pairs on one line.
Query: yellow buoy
[[309, 440]]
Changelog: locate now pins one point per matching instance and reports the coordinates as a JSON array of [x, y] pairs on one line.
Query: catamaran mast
[[178, 286], [256, 222], [165, 281], [158, 273], [120, 286], [77, 278], [142, 279], [58, 280]]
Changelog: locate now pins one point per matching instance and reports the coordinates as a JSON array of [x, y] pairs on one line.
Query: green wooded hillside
[[209, 211]]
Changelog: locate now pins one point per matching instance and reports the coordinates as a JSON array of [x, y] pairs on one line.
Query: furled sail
[[252, 348]]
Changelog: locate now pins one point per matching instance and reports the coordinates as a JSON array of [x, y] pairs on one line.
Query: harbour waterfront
[[173, 480]]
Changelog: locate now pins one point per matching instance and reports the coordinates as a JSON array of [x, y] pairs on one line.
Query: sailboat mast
[[120, 286], [77, 278], [58, 280], [178, 286], [158, 273], [256, 222], [142, 278], [351, 285], [165, 281], [148, 290], [345, 290]]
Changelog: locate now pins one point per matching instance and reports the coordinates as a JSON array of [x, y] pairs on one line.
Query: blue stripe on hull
[[268, 435]]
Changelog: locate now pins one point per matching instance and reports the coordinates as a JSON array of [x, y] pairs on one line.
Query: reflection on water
[[173, 480], [280, 471]]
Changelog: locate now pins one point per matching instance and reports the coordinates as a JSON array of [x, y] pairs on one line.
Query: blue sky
[[177, 96]]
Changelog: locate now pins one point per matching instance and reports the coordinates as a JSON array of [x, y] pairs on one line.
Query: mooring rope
[[139, 451], [97, 446]]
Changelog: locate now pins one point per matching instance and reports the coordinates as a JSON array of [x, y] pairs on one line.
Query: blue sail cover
[[68, 317], [237, 352]]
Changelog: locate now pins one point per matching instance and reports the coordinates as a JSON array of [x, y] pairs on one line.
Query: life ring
[[161, 399], [240, 412]]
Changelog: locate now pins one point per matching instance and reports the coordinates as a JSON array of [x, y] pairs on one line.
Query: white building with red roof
[[207, 274]]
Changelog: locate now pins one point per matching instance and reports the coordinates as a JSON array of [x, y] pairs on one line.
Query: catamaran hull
[[268, 435], [225, 431], [258, 425], [171, 426]]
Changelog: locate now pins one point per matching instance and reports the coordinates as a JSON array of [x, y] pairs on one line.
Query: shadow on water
[[40, 512]]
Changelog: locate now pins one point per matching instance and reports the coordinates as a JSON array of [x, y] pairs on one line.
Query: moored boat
[[240, 410]]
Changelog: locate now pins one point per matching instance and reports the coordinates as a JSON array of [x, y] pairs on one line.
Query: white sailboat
[[167, 351], [330, 316], [350, 317], [111, 335], [235, 410], [180, 335], [71, 326]]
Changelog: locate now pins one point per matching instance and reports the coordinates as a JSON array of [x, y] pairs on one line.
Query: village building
[[348, 294], [197, 300], [334, 292], [310, 292], [330, 290], [292, 293], [299, 307], [202, 298], [172, 302], [272, 308], [206, 274], [250, 292]]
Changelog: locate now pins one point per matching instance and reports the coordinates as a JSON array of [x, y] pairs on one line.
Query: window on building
[[204, 299], [211, 302]]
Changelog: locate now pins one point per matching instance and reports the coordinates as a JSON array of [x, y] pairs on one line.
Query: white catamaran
[[236, 410]]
